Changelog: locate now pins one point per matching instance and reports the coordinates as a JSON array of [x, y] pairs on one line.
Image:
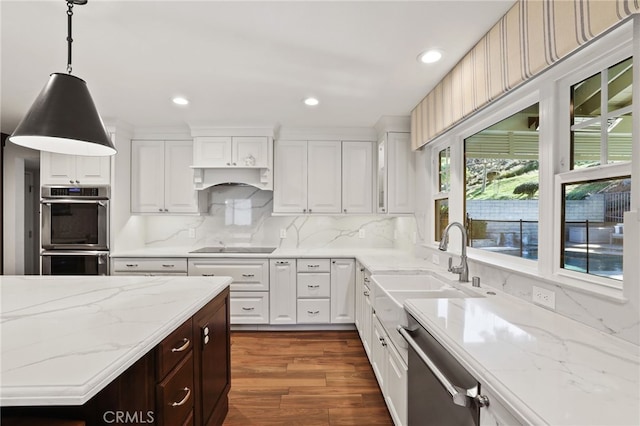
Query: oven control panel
[[75, 192]]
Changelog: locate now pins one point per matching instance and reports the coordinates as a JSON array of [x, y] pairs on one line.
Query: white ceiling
[[240, 63]]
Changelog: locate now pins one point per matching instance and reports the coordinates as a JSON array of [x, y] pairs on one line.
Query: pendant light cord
[[69, 38]]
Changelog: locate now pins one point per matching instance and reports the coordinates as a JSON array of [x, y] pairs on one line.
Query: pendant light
[[63, 118]]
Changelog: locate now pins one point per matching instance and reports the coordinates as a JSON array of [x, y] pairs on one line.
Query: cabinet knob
[[166, 210], [77, 181], [228, 164], [159, 210], [383, 209], [304, 210], [345, 210], [309, 210], [234, 164], [71, 181]]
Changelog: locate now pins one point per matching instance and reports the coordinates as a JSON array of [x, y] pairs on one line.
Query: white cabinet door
[[212, 151], [93, 170], [282, 292], [357, 177], [367, 320], [400, 174], [250, 151], [290, 180], [179, 193], [324, 179], [396, 386], [343, 283], [379, 353], [62, 169], [381, 179], [147, 176]]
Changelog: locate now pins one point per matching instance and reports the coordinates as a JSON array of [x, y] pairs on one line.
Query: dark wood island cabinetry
[[184, 380]]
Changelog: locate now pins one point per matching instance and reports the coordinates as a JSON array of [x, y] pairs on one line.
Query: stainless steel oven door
[[75, 224], [75, 262]]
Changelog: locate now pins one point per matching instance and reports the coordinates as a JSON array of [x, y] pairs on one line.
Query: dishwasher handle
[[460, 397]]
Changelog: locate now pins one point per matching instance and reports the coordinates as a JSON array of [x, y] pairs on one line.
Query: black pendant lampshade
[[64, 119]]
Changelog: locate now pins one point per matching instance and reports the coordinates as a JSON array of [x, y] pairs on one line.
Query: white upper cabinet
[[357, 177], [290, 177], [62, 169], [324, 178], [161, 179], [231, 151], [396, 174]]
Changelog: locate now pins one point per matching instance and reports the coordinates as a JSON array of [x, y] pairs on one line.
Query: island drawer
[[312, 311], [174, 348], [174, 395], [123, 266], [314, 265], [314, 285]]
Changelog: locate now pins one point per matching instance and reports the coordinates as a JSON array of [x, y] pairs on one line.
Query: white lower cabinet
[[149, 266], [396, 385], [249, 307], [343, 286], [249, 288], [282, 291], [496, 414], [314, 291], [379, 352], [313, 311], [363, 308]]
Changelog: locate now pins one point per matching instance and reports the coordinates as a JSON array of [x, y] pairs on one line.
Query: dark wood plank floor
[[302, 378]]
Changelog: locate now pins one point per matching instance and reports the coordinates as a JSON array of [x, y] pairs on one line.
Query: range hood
[[206, 177]]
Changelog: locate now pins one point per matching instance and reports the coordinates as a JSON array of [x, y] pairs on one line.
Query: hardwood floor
[[302, 378]]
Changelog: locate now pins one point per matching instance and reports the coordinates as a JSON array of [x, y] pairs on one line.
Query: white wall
[[13, 205]]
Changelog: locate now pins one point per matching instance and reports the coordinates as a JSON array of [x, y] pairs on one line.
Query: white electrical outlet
[[361, 233], [192, 232], [283, 233], [435, 259], [544, 297]]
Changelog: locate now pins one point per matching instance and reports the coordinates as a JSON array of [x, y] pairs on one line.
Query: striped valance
[[530, 37]]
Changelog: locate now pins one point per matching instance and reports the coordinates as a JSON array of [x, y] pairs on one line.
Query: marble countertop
[[66, 338], [543, 367]]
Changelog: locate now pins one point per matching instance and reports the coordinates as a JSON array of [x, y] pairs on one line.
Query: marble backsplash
[[239, 215]]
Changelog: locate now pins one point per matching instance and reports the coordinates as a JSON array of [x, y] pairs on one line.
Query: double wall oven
[[75, 230]]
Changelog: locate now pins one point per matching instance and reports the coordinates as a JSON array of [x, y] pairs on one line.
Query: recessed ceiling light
[[311, 101], [430, 56], [179, 100]]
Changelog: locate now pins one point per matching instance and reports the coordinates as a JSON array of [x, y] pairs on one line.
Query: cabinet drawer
[[313, 285], [249, 307], [173, 348], [250, 275], [175, 395], [313, 311], [314, 265], [171, 265]]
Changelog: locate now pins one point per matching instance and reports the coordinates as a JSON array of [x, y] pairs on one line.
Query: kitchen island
[[89, 347]]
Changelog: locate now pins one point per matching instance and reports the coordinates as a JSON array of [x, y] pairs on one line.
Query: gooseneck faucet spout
[[463, 268]]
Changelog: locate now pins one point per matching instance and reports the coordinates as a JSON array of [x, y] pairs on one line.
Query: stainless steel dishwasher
[[440, 390]]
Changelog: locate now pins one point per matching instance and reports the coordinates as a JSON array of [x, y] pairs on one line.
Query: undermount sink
[[391, 291]]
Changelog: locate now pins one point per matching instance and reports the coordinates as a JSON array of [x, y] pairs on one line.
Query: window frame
[[551, 89]]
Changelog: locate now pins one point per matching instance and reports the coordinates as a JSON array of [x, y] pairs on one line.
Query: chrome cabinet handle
[[132, 265], [313, 285], [248, 275], [366, 293], [248, 309], [168, 266], [208, 275], [366, 280], [313, 312], [313, 266], [183, 400], [184, 346], [282, 262], [459, 398]]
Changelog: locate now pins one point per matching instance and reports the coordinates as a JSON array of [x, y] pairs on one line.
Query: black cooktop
[[234, 250]]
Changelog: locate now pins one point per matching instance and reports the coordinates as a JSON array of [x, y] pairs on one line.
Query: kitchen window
[[501, 185], [596, 192], [441, 201]]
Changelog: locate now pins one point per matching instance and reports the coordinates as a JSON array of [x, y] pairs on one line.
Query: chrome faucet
[[462, 269]]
